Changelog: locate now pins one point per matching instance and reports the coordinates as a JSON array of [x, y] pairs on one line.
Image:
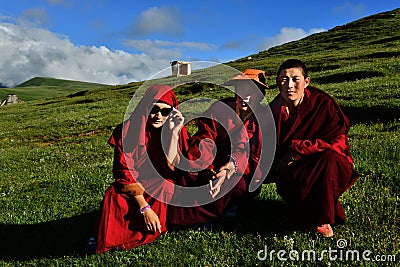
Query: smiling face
[[247, 95], [291, 83], [158, 114]]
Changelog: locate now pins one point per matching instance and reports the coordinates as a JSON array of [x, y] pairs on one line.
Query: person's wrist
[[144, 209]]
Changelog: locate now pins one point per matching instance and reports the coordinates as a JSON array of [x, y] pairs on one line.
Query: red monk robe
[[323, 168], [138, 158], [231, 137]]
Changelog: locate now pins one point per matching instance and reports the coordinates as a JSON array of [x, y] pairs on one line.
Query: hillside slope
[[45, 88], [371, 38]]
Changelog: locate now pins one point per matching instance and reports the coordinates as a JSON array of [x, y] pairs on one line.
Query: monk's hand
[[225, 172], [152, 221], [175, 121]]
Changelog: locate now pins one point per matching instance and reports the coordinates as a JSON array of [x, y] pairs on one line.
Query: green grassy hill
[[55, 162], [45, 88], [362, 40]]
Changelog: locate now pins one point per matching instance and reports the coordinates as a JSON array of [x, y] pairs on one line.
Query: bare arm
[[171, 141]]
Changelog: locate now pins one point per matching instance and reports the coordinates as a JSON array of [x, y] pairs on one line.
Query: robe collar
[[303, 108]]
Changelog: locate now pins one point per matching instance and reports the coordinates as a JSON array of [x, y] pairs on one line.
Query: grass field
[[55, 165]]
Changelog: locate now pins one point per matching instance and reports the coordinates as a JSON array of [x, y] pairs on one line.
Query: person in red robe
[[313, 166], [224, 154], [134, 209]]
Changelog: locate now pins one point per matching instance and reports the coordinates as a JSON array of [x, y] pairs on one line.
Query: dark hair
[[293, 63]]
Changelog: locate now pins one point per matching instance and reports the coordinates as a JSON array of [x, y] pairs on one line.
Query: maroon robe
[[220, 130], [323, 169], [138, 158]]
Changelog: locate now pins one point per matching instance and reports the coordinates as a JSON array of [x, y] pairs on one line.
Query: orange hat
[[250, 74]]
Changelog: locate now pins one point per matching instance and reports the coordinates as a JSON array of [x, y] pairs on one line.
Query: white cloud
[[162, 20], [288, 34], [30, 52]]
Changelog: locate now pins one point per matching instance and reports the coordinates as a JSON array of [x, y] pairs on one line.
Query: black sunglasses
[[164, 111]]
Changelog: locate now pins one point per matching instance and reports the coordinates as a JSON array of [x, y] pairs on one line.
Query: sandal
[[325, 230]]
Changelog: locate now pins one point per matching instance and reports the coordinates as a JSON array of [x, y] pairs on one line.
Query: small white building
[[180, 68], [11, 99]]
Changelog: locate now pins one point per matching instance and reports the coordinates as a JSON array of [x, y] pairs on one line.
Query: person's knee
[[329, 156]]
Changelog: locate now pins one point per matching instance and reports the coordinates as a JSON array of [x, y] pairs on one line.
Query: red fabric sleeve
[[124, 174], [212, 138], [308, 147], [123, 170], [202, 145], [329, 132]]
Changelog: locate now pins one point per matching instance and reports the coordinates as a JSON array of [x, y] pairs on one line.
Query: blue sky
[[117, 42]]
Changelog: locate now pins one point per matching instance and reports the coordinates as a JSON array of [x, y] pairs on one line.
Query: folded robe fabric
[[324, 168]]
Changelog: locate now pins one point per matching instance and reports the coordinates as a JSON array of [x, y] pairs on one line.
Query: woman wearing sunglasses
[[133, 210]]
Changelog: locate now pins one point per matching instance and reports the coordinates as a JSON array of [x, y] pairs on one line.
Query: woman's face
[[158, 114], [291, 83]]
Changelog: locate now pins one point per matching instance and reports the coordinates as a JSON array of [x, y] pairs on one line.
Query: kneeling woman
[[133, 211]]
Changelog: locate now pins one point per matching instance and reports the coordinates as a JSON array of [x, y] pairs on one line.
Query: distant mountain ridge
[[47, 81], [45, 88]]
